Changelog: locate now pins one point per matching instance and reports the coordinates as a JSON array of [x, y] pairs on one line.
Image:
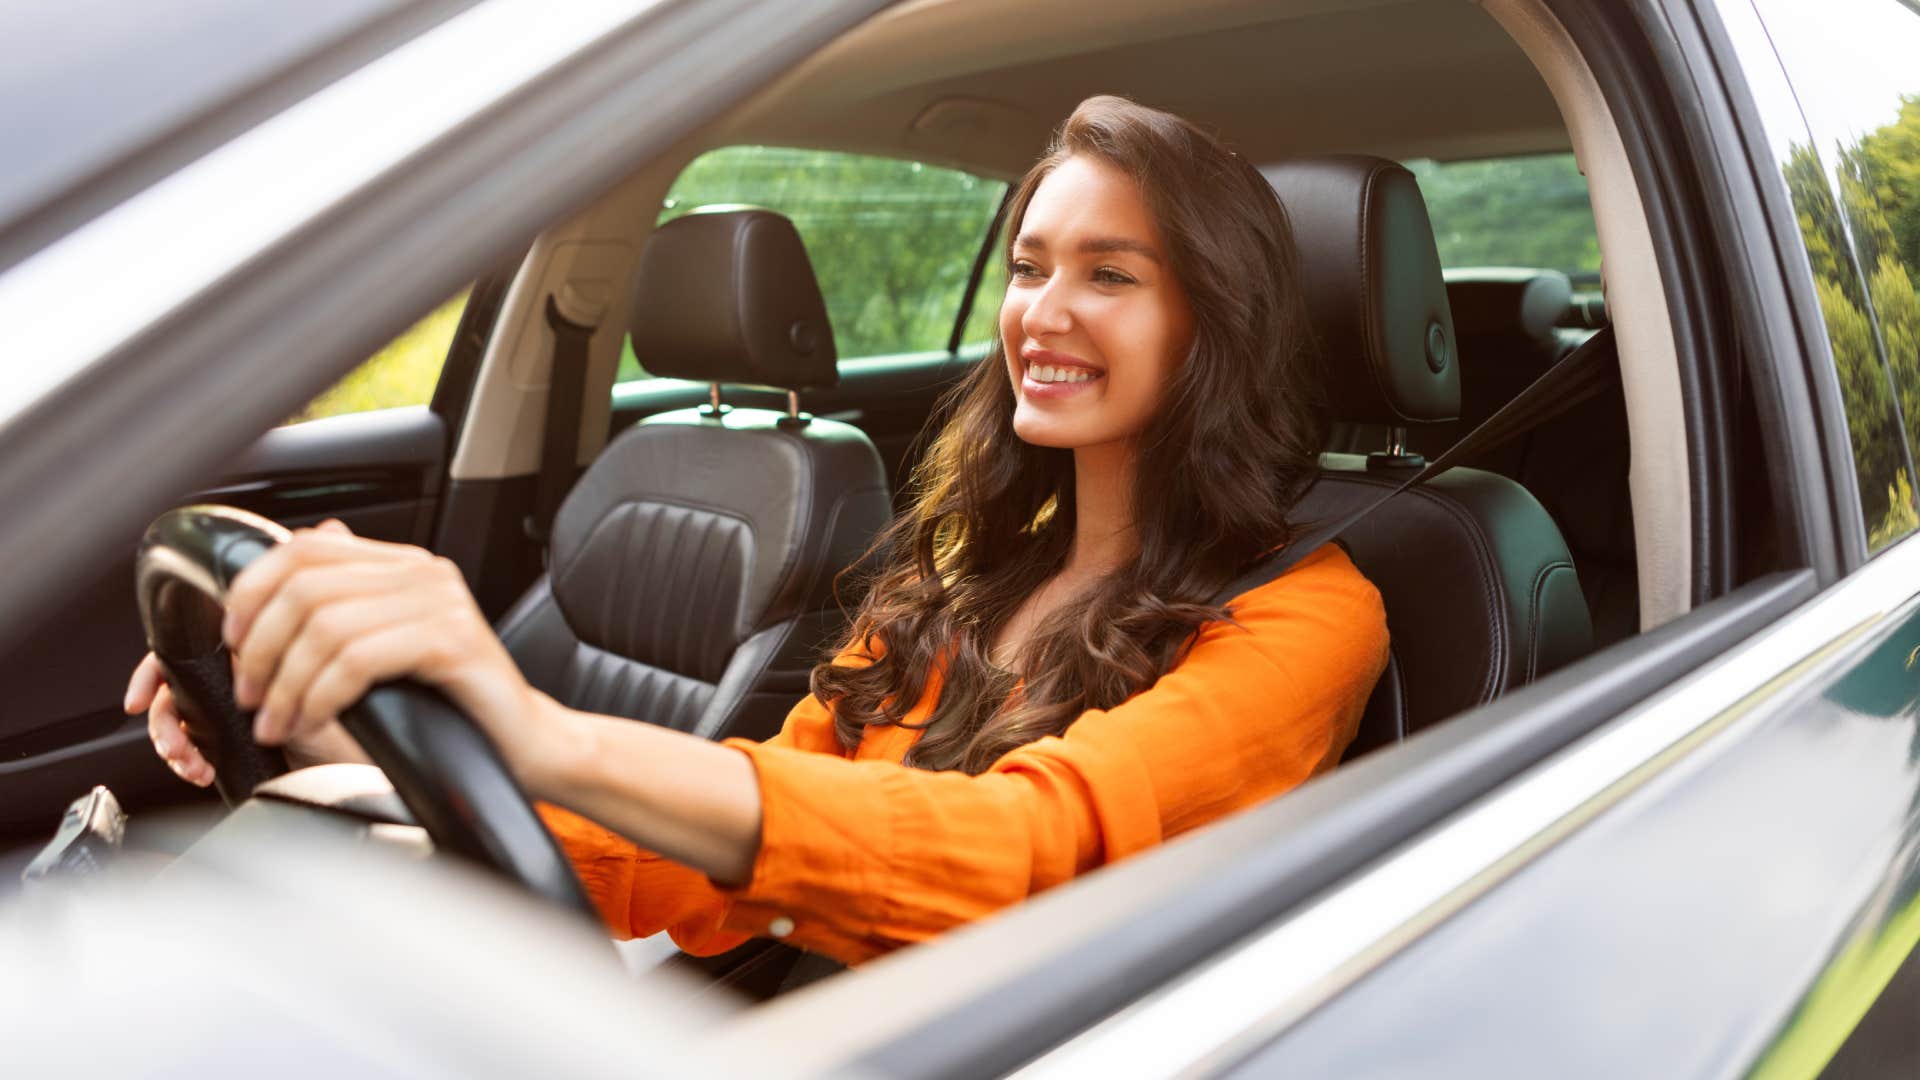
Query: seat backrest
[[1480, 590], [1509, 321], [691, 572]]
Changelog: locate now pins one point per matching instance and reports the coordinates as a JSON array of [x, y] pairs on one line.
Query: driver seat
[[691, 571], [1480, 589]]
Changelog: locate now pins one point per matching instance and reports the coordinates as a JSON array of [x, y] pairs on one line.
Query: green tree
[[403, 373], [1862, 231], [1515, 211]]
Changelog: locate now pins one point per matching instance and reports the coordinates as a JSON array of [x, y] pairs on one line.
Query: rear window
[[1512, 211], [893, 242]]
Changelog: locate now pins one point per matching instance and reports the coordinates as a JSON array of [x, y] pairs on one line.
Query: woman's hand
[[148, 691], [321, 619]]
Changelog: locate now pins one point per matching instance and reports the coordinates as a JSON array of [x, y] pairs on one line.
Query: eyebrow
[[1097, 245]]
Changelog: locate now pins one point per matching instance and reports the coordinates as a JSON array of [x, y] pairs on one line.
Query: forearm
[[693, 801]]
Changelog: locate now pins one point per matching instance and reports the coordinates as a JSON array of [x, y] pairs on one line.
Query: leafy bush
[[403, 373]]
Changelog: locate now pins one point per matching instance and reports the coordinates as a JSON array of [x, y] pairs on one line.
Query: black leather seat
[[691, 569], [1480, 590], [1509, 322]]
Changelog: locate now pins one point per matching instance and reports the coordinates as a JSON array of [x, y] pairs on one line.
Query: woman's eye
[[1108, 276], [1021, 268]]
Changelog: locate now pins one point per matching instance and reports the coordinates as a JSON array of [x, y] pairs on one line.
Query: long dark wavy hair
[[1219, 468]]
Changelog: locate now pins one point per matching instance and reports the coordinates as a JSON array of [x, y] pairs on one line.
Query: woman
[[1036, 684]]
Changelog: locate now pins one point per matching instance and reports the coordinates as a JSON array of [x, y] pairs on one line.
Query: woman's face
[[1094, 323]]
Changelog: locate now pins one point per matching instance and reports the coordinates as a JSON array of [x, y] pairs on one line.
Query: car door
[[370, 451]]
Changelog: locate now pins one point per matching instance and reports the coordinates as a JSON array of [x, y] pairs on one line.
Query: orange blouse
[[860, 854]]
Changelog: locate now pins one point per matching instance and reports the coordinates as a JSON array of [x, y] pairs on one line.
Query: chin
[[1046, 431]]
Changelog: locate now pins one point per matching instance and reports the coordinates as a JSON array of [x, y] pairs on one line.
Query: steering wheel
[[443, 767]]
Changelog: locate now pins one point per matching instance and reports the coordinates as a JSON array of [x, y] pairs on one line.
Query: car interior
[[732, 449]]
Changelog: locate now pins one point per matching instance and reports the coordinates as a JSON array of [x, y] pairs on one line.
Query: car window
[[1856, 191], [403, 372], [1511, 211], [892, 241]]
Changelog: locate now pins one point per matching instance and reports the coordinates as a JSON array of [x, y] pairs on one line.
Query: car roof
[[979, 84]]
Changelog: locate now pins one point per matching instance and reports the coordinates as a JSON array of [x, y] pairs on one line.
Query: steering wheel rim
[[441, 764]]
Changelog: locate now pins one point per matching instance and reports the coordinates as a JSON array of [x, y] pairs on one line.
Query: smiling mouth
[[1053, 374]]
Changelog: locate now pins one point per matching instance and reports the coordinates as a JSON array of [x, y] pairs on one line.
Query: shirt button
[[781, 926]]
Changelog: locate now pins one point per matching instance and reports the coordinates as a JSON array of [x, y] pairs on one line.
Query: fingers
[[327, 630], [147, 680], [170, 741], [335, 525], [308, 548], [307, 594], [355, 668]]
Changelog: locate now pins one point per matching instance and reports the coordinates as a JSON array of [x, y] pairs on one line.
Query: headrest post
[[1396, 455], [793, 405]]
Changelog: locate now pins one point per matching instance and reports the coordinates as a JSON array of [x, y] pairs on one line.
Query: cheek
[[1012, 309]]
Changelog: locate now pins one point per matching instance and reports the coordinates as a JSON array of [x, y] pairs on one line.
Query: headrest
[[729, 296], [1510, 301], [1373, 288]]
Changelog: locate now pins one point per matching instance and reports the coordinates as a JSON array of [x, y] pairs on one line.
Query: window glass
[[1855, 185], [984, 320], [1511, 211], [891, 241], [404, 372]]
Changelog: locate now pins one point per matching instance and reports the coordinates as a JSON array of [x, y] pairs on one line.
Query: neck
[[1103, 530]]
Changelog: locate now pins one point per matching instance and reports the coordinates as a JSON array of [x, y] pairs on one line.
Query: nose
[[1049, 312]]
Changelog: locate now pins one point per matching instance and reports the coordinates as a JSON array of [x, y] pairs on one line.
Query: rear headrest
[[1510, 301], [729, 296], [1373, 288]]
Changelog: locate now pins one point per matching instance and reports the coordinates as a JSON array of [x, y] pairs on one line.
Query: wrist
[[558, 748]]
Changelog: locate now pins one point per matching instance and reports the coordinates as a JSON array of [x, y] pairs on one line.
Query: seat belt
[[1581, 374], [560, 442]]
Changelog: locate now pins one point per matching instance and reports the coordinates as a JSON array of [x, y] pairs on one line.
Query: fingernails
[[263, 724], [163, 748]]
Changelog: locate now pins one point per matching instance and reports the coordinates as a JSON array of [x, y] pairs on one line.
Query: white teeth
[[1045, 374]]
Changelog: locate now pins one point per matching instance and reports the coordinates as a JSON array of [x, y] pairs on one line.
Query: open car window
[[1531, 211], [404, 371]]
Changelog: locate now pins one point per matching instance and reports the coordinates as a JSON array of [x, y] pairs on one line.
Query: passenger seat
[[1480, 590], [1508, 322], [691, 571]]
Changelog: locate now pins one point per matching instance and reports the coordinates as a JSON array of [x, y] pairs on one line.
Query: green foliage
[[403, 373], [892, 242], [1861, 225], [1514, 211]]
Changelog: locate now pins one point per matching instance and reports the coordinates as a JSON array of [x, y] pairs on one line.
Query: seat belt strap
[[560, 442], [1580, 375]]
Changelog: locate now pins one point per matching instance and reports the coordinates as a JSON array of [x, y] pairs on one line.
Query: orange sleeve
[[859, 857], [639, 893]]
